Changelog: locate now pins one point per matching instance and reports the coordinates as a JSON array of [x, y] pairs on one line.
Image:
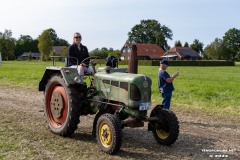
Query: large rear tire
[[109, 134], [62, 107], [166, 129]]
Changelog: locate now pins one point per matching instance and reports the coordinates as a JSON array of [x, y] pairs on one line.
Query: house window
[[129, 50]]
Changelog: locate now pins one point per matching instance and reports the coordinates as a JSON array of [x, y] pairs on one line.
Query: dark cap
[[164, 61]]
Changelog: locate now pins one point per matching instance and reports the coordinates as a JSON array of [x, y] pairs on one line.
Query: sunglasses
[[78, 37]]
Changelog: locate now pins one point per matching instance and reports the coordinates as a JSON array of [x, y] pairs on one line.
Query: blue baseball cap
[[164, 61]]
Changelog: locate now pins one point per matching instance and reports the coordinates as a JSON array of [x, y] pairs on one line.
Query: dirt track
[[201, 136]]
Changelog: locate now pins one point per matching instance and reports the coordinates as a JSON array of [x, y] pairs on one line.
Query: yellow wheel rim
[[105, 134], [161, 133]]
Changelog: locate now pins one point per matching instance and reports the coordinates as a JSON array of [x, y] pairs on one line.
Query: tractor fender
[[153, 113], [70, 76]]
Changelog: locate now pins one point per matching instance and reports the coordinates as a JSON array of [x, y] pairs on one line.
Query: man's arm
[[170, 79]]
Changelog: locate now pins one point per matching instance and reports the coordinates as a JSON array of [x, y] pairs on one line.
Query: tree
[[238, 56], [45, 44], [197, 46], [95, 52], [150, 31], [231, 40], [115, 53], [56, 40], [30, 57], [186, 44], [25, 43], [216, 50], [7, 45], [104, 52], [53, 34], [61, 42], [64, 52], [178, 44]]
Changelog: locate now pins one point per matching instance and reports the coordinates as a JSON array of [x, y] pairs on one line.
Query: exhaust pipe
[[133, 62]]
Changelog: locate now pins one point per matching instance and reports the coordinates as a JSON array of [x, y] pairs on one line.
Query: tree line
[[148, 31], [227, 48], [11, 48]]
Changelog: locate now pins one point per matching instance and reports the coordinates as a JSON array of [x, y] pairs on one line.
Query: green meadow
[[199, 89]]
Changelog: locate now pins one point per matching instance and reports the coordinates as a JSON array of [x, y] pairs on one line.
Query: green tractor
[[117, 98]]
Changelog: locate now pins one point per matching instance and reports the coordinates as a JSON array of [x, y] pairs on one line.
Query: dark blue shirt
[[163, 85]]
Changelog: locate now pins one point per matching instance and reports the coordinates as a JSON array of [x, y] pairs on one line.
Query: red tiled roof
[[58, 49], [143, 49]]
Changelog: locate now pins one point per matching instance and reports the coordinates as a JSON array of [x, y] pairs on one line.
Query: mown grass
[[203, 89], [208, 89], [22, 74]]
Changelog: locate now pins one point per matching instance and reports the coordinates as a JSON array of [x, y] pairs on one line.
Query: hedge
[[183, 63]]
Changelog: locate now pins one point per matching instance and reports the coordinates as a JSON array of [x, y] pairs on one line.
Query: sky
[[106, 23]]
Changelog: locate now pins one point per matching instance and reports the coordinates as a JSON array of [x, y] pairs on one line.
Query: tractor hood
[[118, 76], [130, 89]]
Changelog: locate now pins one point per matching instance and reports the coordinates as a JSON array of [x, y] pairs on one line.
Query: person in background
[[165, 83], [80, 52]]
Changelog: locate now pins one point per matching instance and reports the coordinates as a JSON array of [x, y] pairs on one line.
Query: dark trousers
[[166, 100]]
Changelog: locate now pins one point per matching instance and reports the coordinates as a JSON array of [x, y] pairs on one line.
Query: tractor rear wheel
[[166, 129], [62, 107], [109, 135]]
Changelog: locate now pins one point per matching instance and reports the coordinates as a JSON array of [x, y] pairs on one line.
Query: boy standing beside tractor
[[165, 84]]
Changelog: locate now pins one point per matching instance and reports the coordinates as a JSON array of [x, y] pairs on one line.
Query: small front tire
[[109, 135]]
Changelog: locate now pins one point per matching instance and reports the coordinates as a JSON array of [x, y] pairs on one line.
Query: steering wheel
[[92, 61]]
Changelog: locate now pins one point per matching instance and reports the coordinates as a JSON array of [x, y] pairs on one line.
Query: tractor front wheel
[[109, 135], [62, 107]]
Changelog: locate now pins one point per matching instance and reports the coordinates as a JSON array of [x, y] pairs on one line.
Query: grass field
[[202, 89]]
